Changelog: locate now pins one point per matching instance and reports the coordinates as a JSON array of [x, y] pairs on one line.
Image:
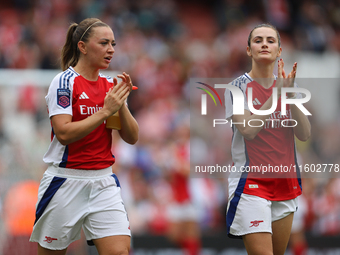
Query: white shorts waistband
[[68, 172]]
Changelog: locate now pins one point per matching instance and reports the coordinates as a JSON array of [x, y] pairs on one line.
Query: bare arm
[[303, 129], [130, 129]]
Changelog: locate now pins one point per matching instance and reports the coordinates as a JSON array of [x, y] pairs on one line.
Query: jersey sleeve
[[59, 97], [228, 98]]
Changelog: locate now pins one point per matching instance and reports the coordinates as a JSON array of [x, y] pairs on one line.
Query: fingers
[[114, 99], [120, 91], [122, 87], [282, 74], [280, 68], [295, 67], [121, 77], [126, 78], [125, 96], [281, 71], [119, 86], [293, 72], [117, 89]]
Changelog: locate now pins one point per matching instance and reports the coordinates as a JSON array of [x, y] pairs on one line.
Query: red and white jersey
[[70, 93], [273, 146]]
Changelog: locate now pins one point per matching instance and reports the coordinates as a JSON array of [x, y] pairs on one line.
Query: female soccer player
[[78, 189], [260, 210]]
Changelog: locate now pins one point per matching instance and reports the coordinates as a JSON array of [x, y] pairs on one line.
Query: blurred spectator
[[19, 216], [182, 214], [314, 29], [297, 243], [327, 209]]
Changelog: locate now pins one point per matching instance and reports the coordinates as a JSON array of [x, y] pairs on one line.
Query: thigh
[[265, 243], [281, 233], [191, 229], [258, 243], [282, 215], [44, 251], [112, 245], [174, 231]]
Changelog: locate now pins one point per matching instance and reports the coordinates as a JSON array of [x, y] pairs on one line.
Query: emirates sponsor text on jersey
[[88, 110]]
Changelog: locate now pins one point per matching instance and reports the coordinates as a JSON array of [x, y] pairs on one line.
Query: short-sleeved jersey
[[273, 146], [70, 93]]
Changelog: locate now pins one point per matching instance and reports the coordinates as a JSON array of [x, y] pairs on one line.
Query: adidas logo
[[83, 96], [256, 102]]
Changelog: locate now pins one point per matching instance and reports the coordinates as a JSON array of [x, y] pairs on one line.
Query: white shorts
[[182, 212], [251, 214], [71, 199]]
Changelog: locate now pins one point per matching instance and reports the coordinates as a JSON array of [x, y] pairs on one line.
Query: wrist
[[124, 105], [291, 95], [105, 113]]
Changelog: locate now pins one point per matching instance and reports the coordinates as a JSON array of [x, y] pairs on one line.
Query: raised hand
[[126, 78], [287, 81], [117, 95]]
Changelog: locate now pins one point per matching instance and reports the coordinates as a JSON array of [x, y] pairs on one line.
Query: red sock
[[191, 245], [300, 249]]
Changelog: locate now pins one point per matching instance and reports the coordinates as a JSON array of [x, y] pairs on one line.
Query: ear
[[82, 47], [279, 52], [249, 51]]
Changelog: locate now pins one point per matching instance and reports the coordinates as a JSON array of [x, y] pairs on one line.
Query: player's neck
[[263, 74], [86, 71]]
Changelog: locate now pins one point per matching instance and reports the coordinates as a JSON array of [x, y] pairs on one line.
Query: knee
[[113, 245], [261, 253], [125, 252], [119, 251]]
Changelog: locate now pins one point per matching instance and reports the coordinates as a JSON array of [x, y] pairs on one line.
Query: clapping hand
[[283, 79], [126, 78]]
